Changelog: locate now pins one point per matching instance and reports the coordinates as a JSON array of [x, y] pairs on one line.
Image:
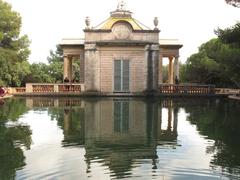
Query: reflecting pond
[[115, 138]]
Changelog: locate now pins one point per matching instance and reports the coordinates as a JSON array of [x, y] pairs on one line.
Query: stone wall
[[98, 36], [138, 72]]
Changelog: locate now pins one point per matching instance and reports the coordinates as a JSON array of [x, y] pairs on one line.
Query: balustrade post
[[29, 88], [56, 88]]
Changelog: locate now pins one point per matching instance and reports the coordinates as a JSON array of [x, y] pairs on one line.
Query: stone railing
[[228, 91], [186, 89], [54, 88], [16, 90]]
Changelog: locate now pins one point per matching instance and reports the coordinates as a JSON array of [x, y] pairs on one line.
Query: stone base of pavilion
[[77, 90]]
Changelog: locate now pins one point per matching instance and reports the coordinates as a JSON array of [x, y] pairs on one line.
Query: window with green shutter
[[121, 75]]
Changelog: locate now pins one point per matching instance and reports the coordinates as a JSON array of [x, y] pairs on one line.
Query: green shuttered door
[[117, 75], [121, 75]]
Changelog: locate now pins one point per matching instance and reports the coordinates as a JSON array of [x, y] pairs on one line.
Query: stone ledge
[[98, 94]]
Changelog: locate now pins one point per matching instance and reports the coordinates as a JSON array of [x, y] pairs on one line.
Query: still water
[[108, 138]]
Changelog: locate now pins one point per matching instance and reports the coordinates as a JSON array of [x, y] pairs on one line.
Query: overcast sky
[[193, 22]]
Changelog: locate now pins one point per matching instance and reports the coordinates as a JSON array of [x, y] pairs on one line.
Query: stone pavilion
[[121, 55]]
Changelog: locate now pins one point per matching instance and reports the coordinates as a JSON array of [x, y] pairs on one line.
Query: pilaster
[[92, 68], [152, 58]]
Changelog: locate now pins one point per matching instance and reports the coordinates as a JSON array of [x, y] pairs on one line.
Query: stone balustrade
[[54, 88], [228, 91], [186, 89], [16, 90]]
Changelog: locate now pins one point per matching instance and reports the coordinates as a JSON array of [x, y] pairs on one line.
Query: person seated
[[176, 80], [66, 80], [3, 91]]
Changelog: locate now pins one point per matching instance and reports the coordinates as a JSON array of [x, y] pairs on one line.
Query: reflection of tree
[[12, 138], [12, 109], [71, 120], [219, 120]]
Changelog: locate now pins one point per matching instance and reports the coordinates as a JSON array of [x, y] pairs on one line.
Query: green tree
[[55, 61], [12, 71], [201, 68], [215, 63], [231, 57], [235, 3], [39, 74], [14, 50], [230, 35], [47, 73]]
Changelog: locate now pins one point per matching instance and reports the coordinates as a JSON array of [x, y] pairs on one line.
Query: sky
[[46, 22]]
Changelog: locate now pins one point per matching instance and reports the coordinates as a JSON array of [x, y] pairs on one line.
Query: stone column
[[176, 67], [70, 69], [170, 71], [160, 78], [65, 67]]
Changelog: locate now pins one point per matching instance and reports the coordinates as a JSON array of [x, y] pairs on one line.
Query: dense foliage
[[217, 62], [47, 73], [14, 49], [235, 3], [14, 53]]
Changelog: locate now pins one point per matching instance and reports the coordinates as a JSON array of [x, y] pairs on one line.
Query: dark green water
[[43, 138]]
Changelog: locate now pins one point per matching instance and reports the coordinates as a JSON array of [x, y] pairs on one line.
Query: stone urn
[[87, 22], [155, 21]]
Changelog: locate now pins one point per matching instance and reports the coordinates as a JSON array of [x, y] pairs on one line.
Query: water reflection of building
[[115, 131], [170, 133], [118, 131], [37, 102]]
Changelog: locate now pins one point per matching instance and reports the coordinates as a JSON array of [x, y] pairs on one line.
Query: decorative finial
[[155, 21], [87, 22], [121, 5]]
